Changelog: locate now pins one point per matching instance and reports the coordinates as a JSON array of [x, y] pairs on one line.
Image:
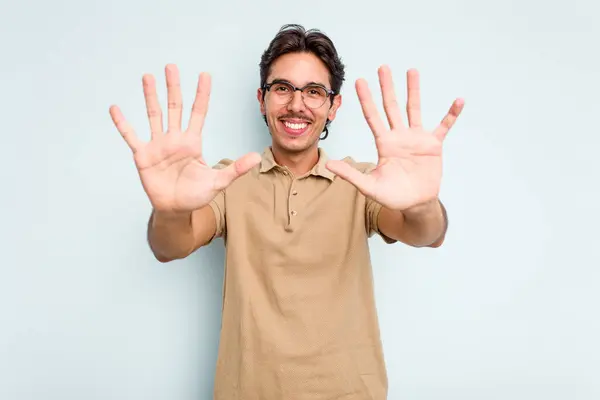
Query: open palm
[[171, 166], [409, 167]]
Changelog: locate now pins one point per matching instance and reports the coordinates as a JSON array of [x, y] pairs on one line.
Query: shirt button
[[294, 212], [294, 193]]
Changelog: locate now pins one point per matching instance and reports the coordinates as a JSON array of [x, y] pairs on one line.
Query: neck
[[297, 162]]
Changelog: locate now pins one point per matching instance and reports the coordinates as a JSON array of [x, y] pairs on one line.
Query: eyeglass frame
[[330, 93]]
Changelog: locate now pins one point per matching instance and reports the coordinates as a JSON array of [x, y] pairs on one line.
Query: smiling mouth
[[295, 128]]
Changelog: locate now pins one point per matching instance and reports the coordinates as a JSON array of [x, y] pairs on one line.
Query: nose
[[296, 104]]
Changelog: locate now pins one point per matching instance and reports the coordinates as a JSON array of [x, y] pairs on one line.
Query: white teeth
[[295, 126]]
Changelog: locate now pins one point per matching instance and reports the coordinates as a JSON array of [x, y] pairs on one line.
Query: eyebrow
[[309, 83]]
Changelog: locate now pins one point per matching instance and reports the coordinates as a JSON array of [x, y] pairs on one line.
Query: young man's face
[[296, 126]]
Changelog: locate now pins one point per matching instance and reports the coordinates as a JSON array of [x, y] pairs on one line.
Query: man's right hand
[[171, 167]]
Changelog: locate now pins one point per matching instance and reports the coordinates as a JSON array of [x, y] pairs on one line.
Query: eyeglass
[[314, 95]]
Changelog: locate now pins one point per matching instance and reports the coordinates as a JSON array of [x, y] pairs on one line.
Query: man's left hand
[[409, 169]]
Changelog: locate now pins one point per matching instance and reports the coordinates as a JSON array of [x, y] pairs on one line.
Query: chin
[[296, 144]]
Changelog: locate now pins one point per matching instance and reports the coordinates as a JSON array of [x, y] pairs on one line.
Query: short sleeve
[[218, 204], [372, 209]]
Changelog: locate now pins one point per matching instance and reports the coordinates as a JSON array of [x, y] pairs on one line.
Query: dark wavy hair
[[294, 38]]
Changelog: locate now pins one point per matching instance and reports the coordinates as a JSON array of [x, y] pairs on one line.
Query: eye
[[315, 91], [281, 88]]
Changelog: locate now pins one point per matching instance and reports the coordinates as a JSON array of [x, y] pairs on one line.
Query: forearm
[[427, 224], [170, 236], [424, 225]]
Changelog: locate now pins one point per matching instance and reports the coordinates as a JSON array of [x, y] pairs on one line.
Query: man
[[299, 318]]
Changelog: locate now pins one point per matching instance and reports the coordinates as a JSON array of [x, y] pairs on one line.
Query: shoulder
[[243, 182], [362, 166], [224, 162]]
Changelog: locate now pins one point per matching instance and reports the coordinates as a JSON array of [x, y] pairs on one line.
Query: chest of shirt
[[278, 211]]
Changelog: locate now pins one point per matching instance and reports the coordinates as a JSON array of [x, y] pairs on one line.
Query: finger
[[363, 182], [390, 102], [200, 107], [369, 108], [174, 99], [413, 105], [125, 129], [152, 105], [442, 130], [236, 169]]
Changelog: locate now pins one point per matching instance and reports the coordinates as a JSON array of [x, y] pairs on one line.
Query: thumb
[[363, 182], [236, 169]]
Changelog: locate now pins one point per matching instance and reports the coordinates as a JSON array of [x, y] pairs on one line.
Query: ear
[[259, 97], [337, 103]]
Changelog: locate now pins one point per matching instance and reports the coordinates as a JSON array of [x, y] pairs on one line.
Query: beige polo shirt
[[299, 318]]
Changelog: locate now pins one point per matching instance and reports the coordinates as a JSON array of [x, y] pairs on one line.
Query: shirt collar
[[268, 163]]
